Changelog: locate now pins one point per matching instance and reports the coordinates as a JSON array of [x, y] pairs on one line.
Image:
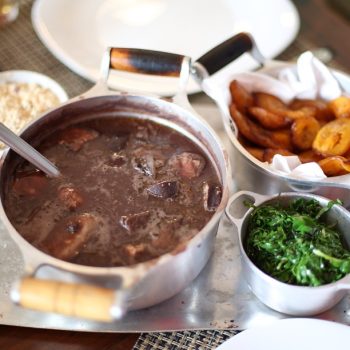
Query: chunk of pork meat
[[70, 197], [69, 236], [75, 138], [31, 185], [116, 161], [164, 189], [187, 165], [211, 196], [133, 253], [145, 165], [133, 222]]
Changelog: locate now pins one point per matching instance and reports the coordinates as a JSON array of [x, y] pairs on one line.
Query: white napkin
[[311, 79], [292, 166], [259, 82]]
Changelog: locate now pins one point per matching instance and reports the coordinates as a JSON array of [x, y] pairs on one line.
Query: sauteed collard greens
[[294, 245]]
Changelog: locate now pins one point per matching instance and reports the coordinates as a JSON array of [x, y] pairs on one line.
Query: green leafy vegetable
[[294, 245]]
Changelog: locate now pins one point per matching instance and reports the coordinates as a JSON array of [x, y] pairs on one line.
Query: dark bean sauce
[[131, 190]]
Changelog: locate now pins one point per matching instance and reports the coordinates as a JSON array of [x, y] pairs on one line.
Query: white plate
[[292, 334], [78, 31]]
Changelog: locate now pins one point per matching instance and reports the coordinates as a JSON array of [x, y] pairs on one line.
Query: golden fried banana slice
[[268, 119], [256, 152], [323, 112], [258, 135], [309, 156], [240, 96], [269, 153], [282, 138], [274, 105], [304, 131], [335, 166], [304, 112], [340, 107], [269, 102], [333, 139]]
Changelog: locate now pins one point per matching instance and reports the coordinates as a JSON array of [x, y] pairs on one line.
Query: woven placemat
[[20, 48], [186, 340]]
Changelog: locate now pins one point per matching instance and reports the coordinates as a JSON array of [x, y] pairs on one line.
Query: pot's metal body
[[254, 175], [286, 298], [148, 283]]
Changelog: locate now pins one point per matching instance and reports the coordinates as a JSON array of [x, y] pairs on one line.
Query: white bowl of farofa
[[25, 95]]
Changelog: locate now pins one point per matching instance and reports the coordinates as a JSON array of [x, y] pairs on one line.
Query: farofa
[[20, 103]]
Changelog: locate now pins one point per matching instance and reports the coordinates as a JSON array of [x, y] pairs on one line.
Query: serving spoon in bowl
[[25, 150]]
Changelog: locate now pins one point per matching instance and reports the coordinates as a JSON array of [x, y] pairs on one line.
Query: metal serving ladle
[[25, 150]]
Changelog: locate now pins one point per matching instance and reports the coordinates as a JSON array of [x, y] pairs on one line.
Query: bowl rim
[[27, 76]]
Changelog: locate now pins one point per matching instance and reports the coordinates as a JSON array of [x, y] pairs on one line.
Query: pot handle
[[78, 300], [229, 50], [145, 62], [236, 209]]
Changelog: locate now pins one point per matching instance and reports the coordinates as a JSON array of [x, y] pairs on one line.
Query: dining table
[[324, 29]]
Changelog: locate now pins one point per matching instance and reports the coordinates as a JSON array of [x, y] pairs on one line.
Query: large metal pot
[[290, 299], [100, 293], [250, 173]]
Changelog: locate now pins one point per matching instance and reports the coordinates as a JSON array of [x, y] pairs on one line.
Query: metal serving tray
[[218, 299]]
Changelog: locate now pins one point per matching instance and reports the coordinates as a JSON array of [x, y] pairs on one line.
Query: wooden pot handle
[[146, 61], [79, 300]]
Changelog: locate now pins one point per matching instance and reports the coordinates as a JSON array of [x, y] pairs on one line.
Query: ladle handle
[[146, 61], [78, 300], [229, 50], [27, 151]]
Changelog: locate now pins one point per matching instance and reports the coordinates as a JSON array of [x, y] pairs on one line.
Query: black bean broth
[[130, 190]]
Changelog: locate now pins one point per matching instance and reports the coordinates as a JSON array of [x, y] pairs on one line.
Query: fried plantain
[[256, 152], [258, 135], [269, 102], [304, 131], [240, 96], [335, 166], [323, 112], [268, 119], [303, 112], [340, 107], [269, 153], [309, 156], [274, 105], [333, 139]]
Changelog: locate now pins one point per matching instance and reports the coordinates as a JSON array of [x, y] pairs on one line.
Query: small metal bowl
[[287, 298]]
